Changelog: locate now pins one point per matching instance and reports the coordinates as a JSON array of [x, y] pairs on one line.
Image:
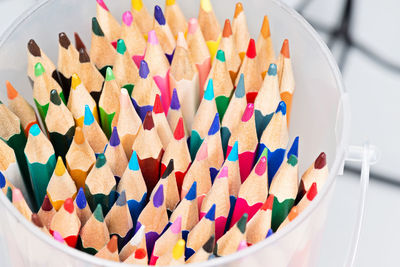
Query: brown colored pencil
[[35, 219], [46, 212], [149, 150], [36, 55], [68, 58]]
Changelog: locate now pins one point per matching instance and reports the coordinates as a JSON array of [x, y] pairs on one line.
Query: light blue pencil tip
[[209, 93], [34, 130], [88, 119], [133, 162], [234, 154]]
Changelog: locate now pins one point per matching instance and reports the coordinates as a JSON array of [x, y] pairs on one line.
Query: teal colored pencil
[[41, 165], [60, 124], [13, 134], [233, 113], [203, 119]]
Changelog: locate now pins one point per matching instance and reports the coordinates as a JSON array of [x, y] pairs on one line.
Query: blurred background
[[363, 36]]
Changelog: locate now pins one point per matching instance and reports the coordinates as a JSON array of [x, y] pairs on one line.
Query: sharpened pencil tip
[[113, 244], [240, 89], [251, 49], [312, 192], [265, 31], [238, 9], [109, 74], [69, 205], [234, 154], [137, 4], [285, 49], [281, 108], [60, 167], [227, 29], [157, 107], [98, 213], [158, 198], [54, 97], [241, 224], [39, 69], [96, 29], [121, 47], [191, 195], [75, 81], [214, 128], [272, 70], [209, 93], [11, 92], [34, 130], [211, 213], [320, 162], [63, 40], [159, 15], [143, 69], [88, 117], [127, 18], [101, 160], [80, 199], [133, 162], [114, 139]]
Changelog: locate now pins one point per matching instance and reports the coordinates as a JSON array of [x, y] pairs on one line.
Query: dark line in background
[[374, 176]]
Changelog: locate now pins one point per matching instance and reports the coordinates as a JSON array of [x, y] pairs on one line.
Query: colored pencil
[[317, 173], [35, 219], [245, 132], [253, 192], [128, 122], [267, 100], [93, 133], [60, 124], [125, 70], [116, 156], [234, 181], [223, 86], [61, 186], [41, 90], [135, 187], [203, 119], [119, 221], [102, 53], [284, 187], [149, 150], [230, 241], [78, 42], [178, 253], [46, 212], [240, 30], [228, 45], [138, 241], [142, 17], [209, 26], [79, 97], [184, 79], [234, 113], [266, 53], [286, 77], [164, 33], [258, 226], [242, 245], [218, 195], [154, 218], [133, 37], [110, 26], [215, 152], [110, 251], [82, 208], [36, 55], [139, 257], [13, 135], [94, 235], [188, 210], [57, 236], [91, 77], [9, 168], [251, 71], [177, 150], [199, 172], [5, 184], [159, 67], [67, 63], [41, 162], [100, 185], [80, 158], [275, 138], [20, 204], [199, 235], [294, 149], [199, 53], [175, 17], [20, 107], [162, 248], [161, 123], [301, 206], [145, 91], [170, 187], [66, 223], [175, 112], [109, 103], [204, 253]]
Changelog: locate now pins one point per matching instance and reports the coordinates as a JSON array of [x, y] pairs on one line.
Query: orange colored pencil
[[266, 53], [228, 45], [240, 30]]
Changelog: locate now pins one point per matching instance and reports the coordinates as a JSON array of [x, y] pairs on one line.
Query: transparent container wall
[[314, 116]]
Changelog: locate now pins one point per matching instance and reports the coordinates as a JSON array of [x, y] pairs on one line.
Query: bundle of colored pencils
[[113, 171]]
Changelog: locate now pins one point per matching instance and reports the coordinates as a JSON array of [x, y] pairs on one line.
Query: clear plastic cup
[[320, 116]]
